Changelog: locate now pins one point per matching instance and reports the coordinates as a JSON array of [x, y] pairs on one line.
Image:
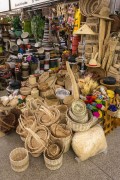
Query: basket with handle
[[62, 132], [37, 140], [51, 115], [19, 159]]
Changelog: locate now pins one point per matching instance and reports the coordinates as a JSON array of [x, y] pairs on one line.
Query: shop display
[[61, 71]]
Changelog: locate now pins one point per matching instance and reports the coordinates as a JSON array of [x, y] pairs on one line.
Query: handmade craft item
[[37, 140], [61, 132], [86, 147], [19, 159], [53, 155], [74, 84]]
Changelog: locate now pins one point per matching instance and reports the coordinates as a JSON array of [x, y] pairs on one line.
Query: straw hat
[[104, 14], [85, 29], [93, 62]]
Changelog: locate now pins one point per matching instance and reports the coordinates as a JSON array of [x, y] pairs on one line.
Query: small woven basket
[[19, 159], [81, 127], [66, 140]]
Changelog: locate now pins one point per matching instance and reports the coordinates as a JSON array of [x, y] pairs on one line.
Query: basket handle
[[37, 138]]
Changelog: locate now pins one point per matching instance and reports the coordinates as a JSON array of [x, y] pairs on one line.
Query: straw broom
[[101, 38], [107, 37], [74, 84], [113, 44]]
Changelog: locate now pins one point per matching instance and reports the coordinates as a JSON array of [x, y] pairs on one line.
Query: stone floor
[[100, 167]]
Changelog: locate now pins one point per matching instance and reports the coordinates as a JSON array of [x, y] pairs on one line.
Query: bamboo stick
[[113, 44], [107, 37], [101, 38], [104, 62], [73, 81]]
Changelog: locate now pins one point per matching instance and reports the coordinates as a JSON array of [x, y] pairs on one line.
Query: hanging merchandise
[[77, 20], [37, 27]]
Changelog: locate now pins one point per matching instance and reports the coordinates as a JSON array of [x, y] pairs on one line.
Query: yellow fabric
[[77, 20]]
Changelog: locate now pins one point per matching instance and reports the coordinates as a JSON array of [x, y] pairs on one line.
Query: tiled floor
[[100, 167]]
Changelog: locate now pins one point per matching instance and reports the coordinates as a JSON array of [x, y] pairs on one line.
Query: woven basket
[[66, 140], [43, 77], [47, 93], [79, 119], [79, 108], [54, 163], [78, 126], [89, 7], [37, 140], [43, 86], [63, 109], [7, 122], [68, 100], [51, 101], [19, 159], [50, 116], [23, 124]]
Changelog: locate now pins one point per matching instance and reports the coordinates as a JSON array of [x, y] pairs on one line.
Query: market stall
[[59, 65]]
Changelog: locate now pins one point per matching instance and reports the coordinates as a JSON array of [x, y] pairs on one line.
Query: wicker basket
[[23, 124], [66, 140], [37, 140], [80, 127], [54, 162], [79, 119], [51, 101], [19, 159], [7, 122], [68, 100], [50, 116], [47, 93], [63, 109]]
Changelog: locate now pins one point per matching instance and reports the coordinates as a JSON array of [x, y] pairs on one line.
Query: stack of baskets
[[89, 7], [53, 155], [62, 132], [78, 118]]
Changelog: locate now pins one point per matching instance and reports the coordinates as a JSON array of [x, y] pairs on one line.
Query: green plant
[[16, 23], [37, 27]]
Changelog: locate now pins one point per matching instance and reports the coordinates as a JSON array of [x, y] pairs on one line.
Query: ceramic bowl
[[26, 41], [24, 35]]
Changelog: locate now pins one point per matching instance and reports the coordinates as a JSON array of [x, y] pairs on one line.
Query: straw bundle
[[37, 140]]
